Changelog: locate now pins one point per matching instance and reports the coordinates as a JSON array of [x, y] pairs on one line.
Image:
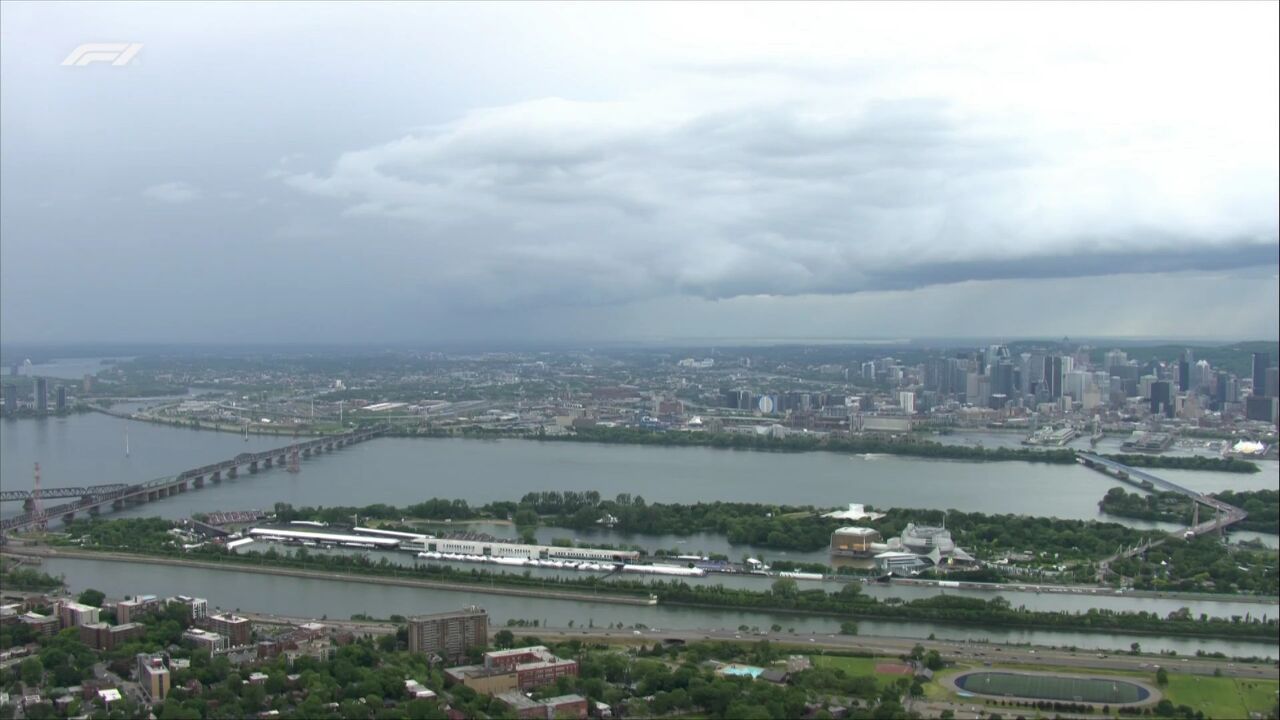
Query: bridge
[[62, 492], [158, 489], [1223, 514]]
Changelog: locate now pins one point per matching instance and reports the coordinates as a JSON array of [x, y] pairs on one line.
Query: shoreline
[[46, 552], [508, 590]]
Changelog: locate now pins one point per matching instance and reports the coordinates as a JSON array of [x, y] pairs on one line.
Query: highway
[[966, 653]]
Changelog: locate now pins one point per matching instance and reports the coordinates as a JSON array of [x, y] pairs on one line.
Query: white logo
[[114, 53]]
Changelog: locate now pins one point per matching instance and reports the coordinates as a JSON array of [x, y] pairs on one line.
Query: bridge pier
[[234, 471], [117, 504], [182, 487], [152, 496], [95, 509], [306, 452], [216, 476], [269, 461], [281, 460], [198, 481], [28, 505], [329, 447], [253, 467]]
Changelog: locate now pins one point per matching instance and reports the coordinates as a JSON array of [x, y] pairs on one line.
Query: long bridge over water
[[91, 498], [1223, 514]]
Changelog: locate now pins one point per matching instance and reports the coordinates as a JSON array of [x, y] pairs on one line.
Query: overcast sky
[[413, 172]]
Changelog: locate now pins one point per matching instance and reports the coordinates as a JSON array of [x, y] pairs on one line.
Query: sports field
[[1064, 688]]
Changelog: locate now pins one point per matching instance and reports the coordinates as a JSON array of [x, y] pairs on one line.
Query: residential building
[[73, 614], [153, 676], [129, 610], [197, 608], [562, 706], [449, 635], [237, 630], [516, 669], [101, 636], [203, 639]]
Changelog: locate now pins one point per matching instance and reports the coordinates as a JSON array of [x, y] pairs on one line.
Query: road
[[967, 653]]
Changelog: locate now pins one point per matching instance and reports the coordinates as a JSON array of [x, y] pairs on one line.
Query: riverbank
[[267, 569], [910, 447], [784, 598]]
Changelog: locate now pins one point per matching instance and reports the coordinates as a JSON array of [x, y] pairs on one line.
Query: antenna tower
[[37, 505]]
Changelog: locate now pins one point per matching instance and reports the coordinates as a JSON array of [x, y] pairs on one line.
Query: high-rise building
[[1273, 382], [1261, 361], [907, 401], [450, 635], [153, 676], [10, 399], [1184, 375], [1053, 369], [42, 395], [62, 398], [1162, 398], [1260, 408]]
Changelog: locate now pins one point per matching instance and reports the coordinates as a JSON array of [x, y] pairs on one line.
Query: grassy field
[[1222, 697], [858, 666]]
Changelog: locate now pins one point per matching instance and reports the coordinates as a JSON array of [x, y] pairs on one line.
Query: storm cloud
[[486, 170]]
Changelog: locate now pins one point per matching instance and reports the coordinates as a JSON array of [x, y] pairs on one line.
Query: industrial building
[[449, 635], [858, 542], [322, 538], [485, 548]]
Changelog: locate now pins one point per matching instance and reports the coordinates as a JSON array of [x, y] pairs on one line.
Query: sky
[[404, 172]]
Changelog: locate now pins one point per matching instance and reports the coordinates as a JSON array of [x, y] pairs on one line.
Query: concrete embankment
[[325, 575]]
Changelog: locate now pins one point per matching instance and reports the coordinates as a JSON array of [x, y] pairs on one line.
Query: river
[[341, 599], [89, 449]]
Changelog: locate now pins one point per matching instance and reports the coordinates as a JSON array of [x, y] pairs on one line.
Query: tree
[[1134, 648], [32, 671], [785, 588], [848, 627], [504, 639], [1162, 677], [92, 597]]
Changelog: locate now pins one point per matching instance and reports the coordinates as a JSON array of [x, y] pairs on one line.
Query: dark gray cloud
[[426, 170]]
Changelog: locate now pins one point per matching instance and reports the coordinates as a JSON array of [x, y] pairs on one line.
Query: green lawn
[[858, 666], [1222, 697]]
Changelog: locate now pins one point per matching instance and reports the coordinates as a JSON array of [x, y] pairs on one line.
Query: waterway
[[1047, 601], [340, 599], [89, 449]]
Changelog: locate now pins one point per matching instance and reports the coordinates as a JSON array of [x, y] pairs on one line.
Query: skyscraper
[[1261, 361], [42, 395], [10, 399], [1184, 375], [1161, 398], [62, 398]]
